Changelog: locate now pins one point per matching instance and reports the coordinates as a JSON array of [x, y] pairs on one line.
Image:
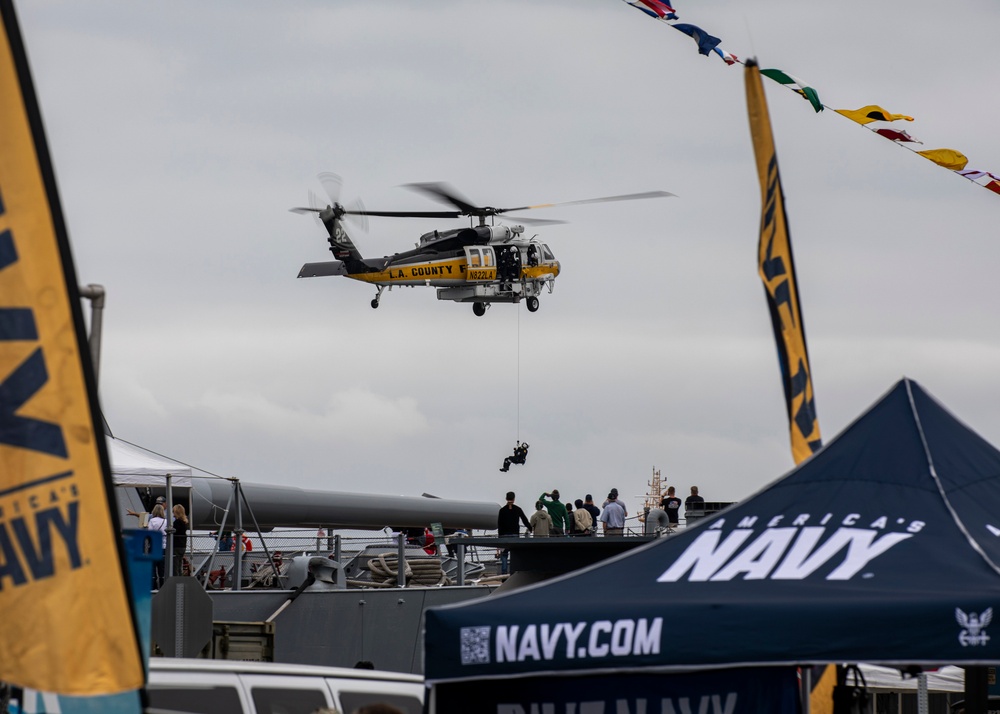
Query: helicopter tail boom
[[341, 245]]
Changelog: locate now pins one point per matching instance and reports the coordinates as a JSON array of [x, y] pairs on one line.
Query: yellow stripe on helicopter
[[444, 271]]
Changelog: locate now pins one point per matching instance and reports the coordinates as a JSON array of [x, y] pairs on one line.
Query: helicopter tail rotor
[[332, 186], [355, 211]]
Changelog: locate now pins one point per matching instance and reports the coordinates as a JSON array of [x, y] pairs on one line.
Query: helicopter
[[483, 263]]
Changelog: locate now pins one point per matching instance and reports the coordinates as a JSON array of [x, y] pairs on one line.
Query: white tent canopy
[[134, 466], [889, 679]]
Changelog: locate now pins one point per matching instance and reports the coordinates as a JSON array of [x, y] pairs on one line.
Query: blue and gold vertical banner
[[777, 270], [68, 625]]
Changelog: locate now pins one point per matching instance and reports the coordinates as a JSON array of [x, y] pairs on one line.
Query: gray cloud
[[182, 133]]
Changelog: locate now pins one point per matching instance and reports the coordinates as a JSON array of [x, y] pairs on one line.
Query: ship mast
[[655, 492]]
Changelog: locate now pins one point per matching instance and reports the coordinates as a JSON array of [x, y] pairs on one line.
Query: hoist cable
[[518, 308]]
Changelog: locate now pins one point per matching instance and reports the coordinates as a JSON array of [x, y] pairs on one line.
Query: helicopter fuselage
[[479, 265], [459, 267]]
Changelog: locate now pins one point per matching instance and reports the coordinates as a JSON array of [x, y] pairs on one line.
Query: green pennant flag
[[793, 82]]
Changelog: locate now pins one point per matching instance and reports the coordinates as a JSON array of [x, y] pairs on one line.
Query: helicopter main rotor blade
[[445, 193], [603, 199], [408, 214], [387, 214], [537, 221]]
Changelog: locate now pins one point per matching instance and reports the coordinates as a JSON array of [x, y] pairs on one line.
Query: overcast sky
[[183, 132]]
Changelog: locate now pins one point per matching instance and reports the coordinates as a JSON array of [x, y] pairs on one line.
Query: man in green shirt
[[556, 509]]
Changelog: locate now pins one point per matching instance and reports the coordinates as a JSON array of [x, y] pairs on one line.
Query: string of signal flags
[[865, 116]]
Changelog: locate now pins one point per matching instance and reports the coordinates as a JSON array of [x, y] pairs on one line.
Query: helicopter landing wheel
[[532, 304], [479, 308], [374, 303], [377, 297]]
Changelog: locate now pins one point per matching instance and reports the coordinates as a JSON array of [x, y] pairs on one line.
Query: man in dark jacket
[[595, 512], [694, 501], [509, 521]]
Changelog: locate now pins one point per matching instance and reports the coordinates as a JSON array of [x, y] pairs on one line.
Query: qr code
[[476, 645]]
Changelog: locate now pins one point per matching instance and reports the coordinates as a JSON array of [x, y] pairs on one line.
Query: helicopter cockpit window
[[474, 260], [546, 253]]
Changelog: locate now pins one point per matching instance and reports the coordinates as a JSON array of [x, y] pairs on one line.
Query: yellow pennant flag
[[873, 112], [67, 622], [777, 270], [949, 158]]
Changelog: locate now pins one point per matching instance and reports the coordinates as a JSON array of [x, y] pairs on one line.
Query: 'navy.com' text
[[572, 640]]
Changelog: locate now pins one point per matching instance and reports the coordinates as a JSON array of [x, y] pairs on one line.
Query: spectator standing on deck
[[694, 500], [509, 521], [613, 516], [570, 520], [614, 492], [584, 521], [595, 512], [671, 504], [541, 521], [560, 525]]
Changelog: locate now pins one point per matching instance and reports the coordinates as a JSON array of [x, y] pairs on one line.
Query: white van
[[205, 686]]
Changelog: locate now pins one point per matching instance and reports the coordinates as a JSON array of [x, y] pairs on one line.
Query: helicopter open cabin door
[[480, 264], [480, 279]]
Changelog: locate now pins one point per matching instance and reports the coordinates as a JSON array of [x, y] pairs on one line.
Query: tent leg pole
[[976, 690], [806, 691], [238, 539], [168, 553], [400, 560], [215, 547]]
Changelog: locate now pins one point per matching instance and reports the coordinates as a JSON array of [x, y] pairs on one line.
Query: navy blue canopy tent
[[882, 547]]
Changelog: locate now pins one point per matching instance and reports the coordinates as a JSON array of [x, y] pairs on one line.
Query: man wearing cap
[[614, 492], [613, 516], [160, 501], [556, 509]]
